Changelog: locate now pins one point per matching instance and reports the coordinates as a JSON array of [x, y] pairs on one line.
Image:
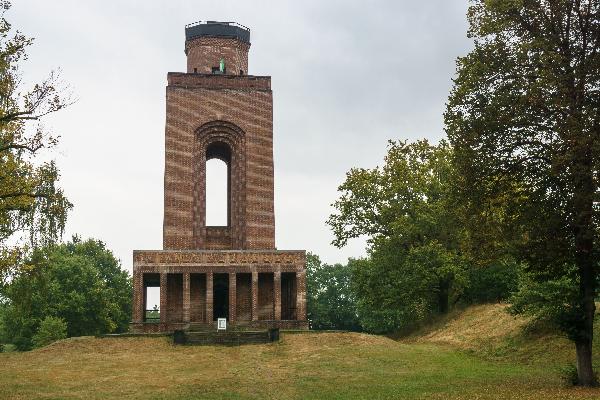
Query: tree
[[330, 300], [524, 119], [80, 282], [33, 209], [405, 209], [51, 329]]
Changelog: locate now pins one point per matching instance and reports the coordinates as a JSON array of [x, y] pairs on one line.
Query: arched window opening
[[218, 157]]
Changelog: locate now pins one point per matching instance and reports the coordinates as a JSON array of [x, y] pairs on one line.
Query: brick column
[[232, 297], [163, 298], [301, 295], [277, 294], [254, 296], [209, 297], [138, 298], [186, 297]]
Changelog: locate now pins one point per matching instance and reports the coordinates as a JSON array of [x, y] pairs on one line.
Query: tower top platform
[[217, 29]]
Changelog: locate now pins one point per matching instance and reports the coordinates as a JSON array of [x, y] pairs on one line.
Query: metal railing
[[152, 316], [230, 23]]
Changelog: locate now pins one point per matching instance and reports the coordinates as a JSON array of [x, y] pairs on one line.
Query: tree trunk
[[583, 201], [585, 372], [583, 343]]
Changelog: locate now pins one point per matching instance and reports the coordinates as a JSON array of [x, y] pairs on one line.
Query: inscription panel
[[219, 257]]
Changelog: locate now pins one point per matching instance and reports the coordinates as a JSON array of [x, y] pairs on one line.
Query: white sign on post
[[221, 324]]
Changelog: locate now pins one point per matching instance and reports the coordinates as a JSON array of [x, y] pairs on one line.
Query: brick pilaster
[[277, 294], [186, 297], [209, 297], [301, 295], [254, 296], [163, 298], [138, 298], [232, 297]]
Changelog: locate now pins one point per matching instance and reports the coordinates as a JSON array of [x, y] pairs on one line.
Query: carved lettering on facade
[[234, 258]]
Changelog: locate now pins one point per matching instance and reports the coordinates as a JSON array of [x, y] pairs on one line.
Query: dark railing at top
[[231, 23], [217, 28], [152, 316]]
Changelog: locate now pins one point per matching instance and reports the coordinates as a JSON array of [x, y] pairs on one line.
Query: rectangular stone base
[[255, 288], [150, 327]]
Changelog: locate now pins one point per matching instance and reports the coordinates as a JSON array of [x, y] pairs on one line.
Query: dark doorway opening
[[221, 296], [288, 295], [151, 284], [266, 298]]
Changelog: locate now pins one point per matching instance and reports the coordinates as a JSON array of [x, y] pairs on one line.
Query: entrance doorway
[[221, 296]]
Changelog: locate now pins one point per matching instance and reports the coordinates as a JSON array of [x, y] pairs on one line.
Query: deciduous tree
[[405, 208], [330, 300], [33, 209], [80, 282], [524, 119]]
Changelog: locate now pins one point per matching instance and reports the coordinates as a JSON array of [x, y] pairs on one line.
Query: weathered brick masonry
[[233, 271]]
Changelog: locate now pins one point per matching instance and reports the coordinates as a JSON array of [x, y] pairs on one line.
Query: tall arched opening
[[218, 185]]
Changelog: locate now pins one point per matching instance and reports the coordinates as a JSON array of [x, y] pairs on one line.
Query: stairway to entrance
[[207, 334]]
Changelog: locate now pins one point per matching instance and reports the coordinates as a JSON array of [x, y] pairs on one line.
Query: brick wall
[[244, 297], [241, 116], [204, 53], [174, 297], [197, 297], [266, 309]]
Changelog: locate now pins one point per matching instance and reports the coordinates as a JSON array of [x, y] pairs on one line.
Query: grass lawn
[[311, 366]]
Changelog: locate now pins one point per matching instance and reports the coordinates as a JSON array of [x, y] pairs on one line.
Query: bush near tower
[[80, 282]]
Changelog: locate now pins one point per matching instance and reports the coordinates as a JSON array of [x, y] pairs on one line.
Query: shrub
[[570, 377], [330, 301], [492, 283], [79, 281], [51, 329]]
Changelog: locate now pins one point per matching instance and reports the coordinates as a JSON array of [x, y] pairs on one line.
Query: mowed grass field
[[435, 365]]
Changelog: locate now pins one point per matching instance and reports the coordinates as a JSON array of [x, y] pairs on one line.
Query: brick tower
[[217, 110]]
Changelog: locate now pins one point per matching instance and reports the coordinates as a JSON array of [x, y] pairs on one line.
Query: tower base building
[[216, 110]]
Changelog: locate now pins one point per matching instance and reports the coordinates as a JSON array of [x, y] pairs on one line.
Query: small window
[[215, 70], [241, 72], [195, 70]]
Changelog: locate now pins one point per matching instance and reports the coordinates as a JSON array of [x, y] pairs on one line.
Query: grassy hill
[[489, 331], [481, 353]]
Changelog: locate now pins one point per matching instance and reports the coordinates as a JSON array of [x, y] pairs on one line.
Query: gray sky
[[346, 76]]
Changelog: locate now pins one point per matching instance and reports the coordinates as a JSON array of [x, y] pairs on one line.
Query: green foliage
[[33, 209], [406, 198], [569, 374], [493, 282], [398, 290], [330, 300], [550, 300], [3, 338], [80, 282], [405, 208], [523, 119], [50, 330]]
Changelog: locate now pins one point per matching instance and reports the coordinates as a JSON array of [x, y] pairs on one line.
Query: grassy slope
[[315, 365], [489, 331]]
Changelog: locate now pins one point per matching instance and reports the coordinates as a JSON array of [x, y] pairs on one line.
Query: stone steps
[[204, 327], [207, 334], [230, 338]]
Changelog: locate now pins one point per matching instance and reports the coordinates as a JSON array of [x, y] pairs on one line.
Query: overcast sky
[[346, 77]]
